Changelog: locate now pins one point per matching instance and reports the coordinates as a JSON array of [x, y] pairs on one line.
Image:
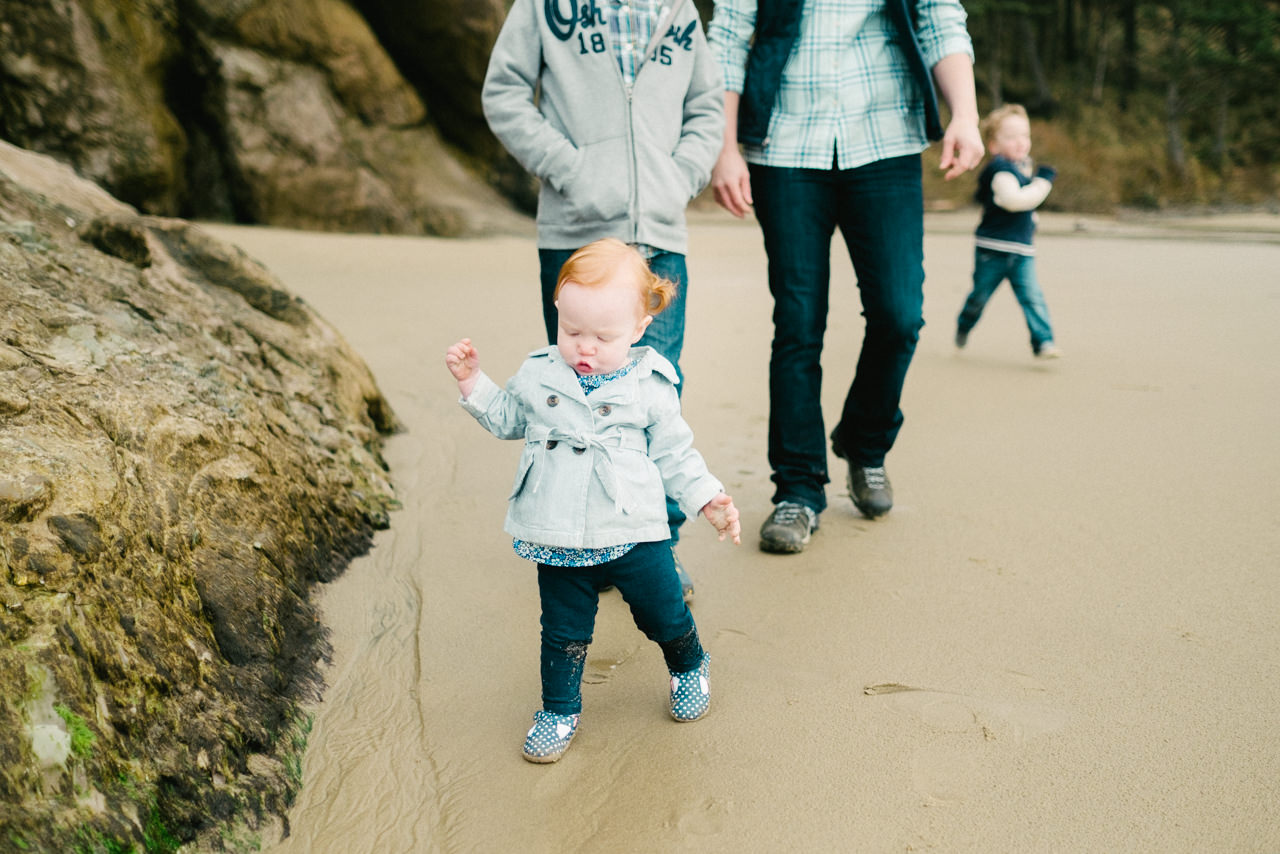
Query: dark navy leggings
[[646, 578]]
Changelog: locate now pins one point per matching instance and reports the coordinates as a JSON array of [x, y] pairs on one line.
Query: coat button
[[552, 400], [579, 450], [605, 409], [551, 443]]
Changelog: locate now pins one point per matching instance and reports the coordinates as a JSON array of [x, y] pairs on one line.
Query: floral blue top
[[556, 556]]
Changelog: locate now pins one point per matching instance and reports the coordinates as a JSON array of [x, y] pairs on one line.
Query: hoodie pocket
[[600, 188], [665, 189]]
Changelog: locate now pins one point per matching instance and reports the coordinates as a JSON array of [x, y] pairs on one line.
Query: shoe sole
[[549, 758], [691, 720], [839, 452], [782, 548], [868, 514], [863, 508]]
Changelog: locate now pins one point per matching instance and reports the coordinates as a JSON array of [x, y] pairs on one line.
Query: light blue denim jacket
[[595, 469]]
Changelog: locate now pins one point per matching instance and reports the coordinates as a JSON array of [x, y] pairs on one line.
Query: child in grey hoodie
[[618, 109]]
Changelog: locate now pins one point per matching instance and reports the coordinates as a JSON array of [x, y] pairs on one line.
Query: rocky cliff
[[185, 449], [315, 114]]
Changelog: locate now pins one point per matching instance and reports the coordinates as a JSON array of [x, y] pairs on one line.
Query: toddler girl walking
[[604, 445]]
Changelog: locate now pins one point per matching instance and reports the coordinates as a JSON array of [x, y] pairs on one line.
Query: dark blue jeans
[[646, 578], [990, 268], [665, 334], [879, 209]]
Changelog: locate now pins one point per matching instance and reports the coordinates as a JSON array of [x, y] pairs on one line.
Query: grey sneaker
[[788, 527], [870, 490], [962, 338], [868, 487], [1048, 350]]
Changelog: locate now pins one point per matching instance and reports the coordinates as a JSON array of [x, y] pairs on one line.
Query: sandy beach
[[1064, 638]]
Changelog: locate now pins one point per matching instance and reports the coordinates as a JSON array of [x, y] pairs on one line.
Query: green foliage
[[156, 838], [82, 738], [93, 842], [292, 757], [237, 842]]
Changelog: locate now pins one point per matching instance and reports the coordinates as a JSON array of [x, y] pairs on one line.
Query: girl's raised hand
[[463, 361], [721, 513]]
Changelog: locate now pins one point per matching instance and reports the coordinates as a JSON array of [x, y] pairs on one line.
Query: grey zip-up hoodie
[[612, 163]]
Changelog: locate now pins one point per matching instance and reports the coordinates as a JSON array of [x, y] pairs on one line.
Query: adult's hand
[[730, 178], [731, 182], [962, 148]]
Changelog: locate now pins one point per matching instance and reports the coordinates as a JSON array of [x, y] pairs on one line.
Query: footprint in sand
[[946, 772], [599, 670], [952, 711], [704, 818]]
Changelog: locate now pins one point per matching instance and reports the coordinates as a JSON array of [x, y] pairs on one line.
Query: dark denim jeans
[[990, 268], [646, 578], [665, 334], [879, 209]]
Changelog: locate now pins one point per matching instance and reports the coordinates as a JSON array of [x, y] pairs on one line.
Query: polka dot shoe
[[549, 736], [691, 692]]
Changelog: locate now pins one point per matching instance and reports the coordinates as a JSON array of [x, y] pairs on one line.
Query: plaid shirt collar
[[631, 26]]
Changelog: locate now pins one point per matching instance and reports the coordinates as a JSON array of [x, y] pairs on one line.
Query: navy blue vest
[[778, 27], [998, 224]]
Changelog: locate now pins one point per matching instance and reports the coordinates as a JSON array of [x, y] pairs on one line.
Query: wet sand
[[1063, 638]]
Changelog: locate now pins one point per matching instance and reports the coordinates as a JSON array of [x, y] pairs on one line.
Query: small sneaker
[[788, 527], [1048, 350], [691, 692], [549, 736], [870, 490], [686, 583], [962, 338]]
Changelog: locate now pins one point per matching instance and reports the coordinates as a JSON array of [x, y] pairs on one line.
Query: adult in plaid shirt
[[829, 105]]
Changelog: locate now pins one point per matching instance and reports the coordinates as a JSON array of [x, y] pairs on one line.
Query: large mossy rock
[[185, 450]]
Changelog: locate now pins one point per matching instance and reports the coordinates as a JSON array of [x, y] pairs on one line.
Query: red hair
[[596, 263]]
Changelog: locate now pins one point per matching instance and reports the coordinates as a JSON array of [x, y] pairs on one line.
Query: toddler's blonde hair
[[597, 262], [990, 126]]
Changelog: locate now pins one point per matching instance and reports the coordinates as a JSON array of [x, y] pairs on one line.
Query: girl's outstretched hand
[[463, 361], [721, 513]]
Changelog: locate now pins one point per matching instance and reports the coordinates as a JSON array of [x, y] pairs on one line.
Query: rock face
[[185, 448], [281, 112]]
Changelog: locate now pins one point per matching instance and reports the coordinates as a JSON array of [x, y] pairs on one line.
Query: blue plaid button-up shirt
[[847, 92], [631, 25]]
